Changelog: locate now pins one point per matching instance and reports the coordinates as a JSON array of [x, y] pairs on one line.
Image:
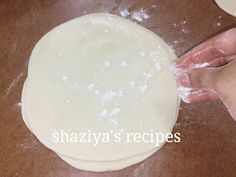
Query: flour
[[147, 75], [132, 83], [107, 63], [13, 84], [91, 86], [218, 24], [143, 88], [123, 64], [28, 143], [200, 65], [141, 170], [178, 71], [64, 78], [158, 67], [115, 111], [184, 93], [138, 15], [124, 13]]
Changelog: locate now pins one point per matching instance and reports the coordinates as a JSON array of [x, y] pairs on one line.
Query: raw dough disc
[[228, 6], [74, 70], [106, 166], [101, 166]]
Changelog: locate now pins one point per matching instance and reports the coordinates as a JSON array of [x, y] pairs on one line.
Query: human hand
[[208, 72]]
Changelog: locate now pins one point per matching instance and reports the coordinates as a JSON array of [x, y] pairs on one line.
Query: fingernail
[[183, 93], [183, 79]]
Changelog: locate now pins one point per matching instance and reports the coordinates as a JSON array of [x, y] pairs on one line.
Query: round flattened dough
[[228, 6], [103, 166], [100, 72], [106, 166], [100, 166]]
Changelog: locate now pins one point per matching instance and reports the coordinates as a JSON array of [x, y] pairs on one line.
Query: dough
[[228, 6], [101, 166], [105, 166], [100, 73]]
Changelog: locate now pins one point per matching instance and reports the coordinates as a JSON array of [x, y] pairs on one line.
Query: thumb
[[202, 78]]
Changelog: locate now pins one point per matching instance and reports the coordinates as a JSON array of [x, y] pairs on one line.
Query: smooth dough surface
[[100, 72], [106, 166], [228, 6], [101, 166]]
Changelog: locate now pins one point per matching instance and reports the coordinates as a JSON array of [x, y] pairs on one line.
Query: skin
[[215, 81]]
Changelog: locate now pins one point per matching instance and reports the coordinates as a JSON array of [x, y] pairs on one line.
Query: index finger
[[221, 45]]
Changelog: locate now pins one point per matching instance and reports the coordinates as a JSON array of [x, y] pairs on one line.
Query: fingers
[[201, 96], [205, 78], [221, 61], [194, 96], [198, 71], [218, 46], [198, 85]]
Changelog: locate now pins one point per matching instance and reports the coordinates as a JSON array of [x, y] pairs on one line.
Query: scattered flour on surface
[[140, 170], [124, 13], [138, 15], [218, 24], [28, 143], [13, 84]]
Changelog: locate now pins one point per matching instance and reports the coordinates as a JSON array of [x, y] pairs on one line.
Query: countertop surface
[[208, 134]]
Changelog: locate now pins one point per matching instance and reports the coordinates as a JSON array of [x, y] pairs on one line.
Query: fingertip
[[183, 93], [202, 96], [184, 62], [189, 95], [183, 79]]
